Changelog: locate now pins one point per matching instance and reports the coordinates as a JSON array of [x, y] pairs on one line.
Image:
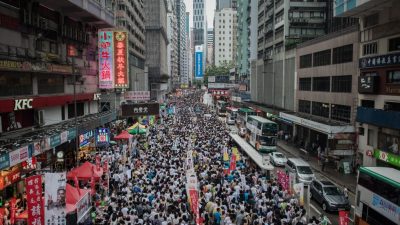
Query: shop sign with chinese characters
[[106, 56], [142, 109], [137, 95], [121, 59], [34, 200]]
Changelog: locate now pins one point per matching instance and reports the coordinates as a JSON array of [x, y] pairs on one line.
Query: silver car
[[277, 159]]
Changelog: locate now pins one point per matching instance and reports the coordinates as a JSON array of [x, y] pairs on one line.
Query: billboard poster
[[34, 191], [198, 62], [102, 136], [121, 59], [299, 191], [106, 60], [55, 203]]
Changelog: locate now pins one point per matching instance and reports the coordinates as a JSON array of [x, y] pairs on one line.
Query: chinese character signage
[[106, 56], [142, 109], [55, 203], [368, 84], [137, 95], [199, 62], [380, 60], [121, 59], [387, 157], [343, 217], [34, 199], [102, 136]]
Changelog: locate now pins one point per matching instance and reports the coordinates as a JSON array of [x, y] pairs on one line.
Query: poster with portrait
[[55, 192]]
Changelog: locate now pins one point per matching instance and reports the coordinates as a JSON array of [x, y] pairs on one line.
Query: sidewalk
[[347, 180]]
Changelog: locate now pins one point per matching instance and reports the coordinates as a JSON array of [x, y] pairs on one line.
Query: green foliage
[[213, 70]]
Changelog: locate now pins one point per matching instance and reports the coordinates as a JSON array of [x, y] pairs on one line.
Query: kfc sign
[[21, 104]]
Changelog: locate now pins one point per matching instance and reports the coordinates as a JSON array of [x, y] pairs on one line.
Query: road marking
[[319, 213]]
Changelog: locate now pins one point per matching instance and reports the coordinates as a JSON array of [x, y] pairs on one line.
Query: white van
[[302, 170]]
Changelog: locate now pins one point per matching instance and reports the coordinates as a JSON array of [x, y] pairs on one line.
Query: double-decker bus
[[231, 114], [378, 196], [221, 108], [261, 134], [242, 115]]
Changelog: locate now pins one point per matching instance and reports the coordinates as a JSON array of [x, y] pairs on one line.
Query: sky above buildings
[[210, 7]]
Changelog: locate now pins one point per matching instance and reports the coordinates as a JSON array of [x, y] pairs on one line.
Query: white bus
[[261, 134], [221, 108], [378, 196]]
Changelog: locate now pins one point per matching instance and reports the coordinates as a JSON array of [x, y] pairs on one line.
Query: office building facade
[[225, 41]]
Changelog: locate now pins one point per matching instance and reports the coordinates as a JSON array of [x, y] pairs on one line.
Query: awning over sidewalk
[[330, 130], [251, 152]]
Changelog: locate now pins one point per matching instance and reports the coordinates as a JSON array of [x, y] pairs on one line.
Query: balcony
[[96, 12], [379, 117]]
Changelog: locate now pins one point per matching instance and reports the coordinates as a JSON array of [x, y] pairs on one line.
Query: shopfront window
[[389, 142], [12, 84], [50, 84]]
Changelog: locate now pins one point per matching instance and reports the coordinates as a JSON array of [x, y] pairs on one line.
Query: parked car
[[242, 131], [329, 196], [230, 120], [302, 170], [277, 159]]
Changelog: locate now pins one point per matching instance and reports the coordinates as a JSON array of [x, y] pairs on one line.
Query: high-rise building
[[225, 27], [49, 77], [172, 49], [130, 17], [243, 51], [210, 46], [283, 24], [200, 26], [220, 4], [156, 47], [378, 114], [182, 42]]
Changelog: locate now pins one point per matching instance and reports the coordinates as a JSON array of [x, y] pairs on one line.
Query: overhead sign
[[221, 85], [140, 109], [34, 67], [19, 155], [84, 139], [380, 60], [121, 59], [137, 95], [211, 79], [198, 62], [21, 104], [106, 60], [387, 157]]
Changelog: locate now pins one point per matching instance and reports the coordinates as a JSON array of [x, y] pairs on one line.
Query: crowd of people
[[147, 183]]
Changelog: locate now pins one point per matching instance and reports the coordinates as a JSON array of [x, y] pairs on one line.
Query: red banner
[[283, 179], [13, 206], [2, 214], [194, 200], [34, 200], [343, 218], [98, 160], [232, 166]]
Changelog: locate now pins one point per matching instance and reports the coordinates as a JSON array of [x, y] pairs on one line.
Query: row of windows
[[372, 48], [333, 111], [341, 54], [327, 84]]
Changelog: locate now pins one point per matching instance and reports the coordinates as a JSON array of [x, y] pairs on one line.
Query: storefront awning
[[330, 130]]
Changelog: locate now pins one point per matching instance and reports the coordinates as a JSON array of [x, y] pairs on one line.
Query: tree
[[213, 70]]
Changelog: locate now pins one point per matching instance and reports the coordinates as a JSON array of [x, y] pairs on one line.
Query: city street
[[316, 209]]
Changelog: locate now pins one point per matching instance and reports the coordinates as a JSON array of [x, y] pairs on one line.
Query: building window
[[306, 61], [50, 84], [343, 54], [371, 20], [370, 48], [394, 44], [341, 113], [304, 106], [321, 84], [368, 103], [13, 84], [393, 77], [392, 106], [305, 84], [320, 109], [370, 138], [79, 109], [322, 58], [341, 83], [389, 142]]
